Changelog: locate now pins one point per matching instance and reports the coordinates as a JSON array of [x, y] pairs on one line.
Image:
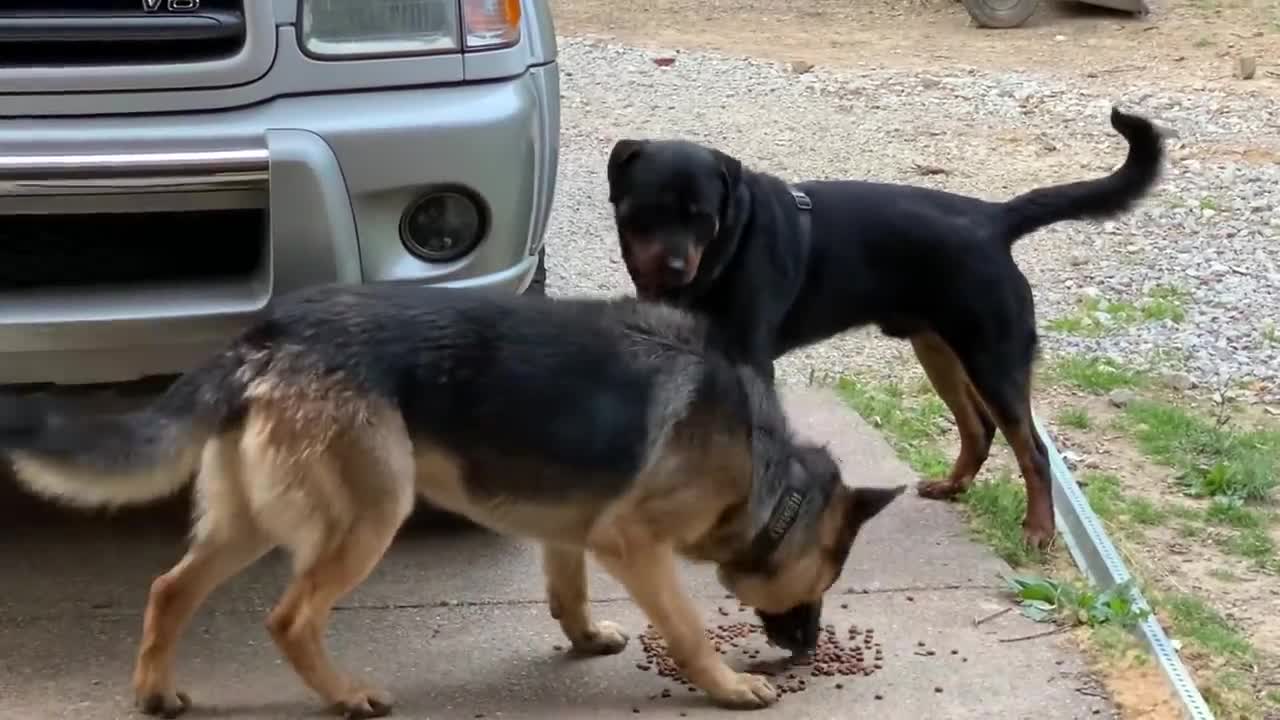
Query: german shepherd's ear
[[624, 151], [867, 502]]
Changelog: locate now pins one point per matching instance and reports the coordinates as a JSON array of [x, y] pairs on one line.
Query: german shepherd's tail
[[1100, 198], [88, 461]]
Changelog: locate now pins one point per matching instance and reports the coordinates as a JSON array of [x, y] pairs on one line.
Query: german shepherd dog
[[779, 267], [608, 426]]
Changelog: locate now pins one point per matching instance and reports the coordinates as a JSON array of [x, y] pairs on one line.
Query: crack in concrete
[[108, 613]]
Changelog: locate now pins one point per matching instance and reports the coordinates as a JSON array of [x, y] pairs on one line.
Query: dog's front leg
[[566, 572], [651, 578]]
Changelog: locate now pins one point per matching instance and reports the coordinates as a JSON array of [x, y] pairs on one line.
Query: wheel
[[1000, 13], [538, 285]]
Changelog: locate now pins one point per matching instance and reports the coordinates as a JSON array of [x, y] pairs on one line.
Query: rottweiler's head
[[670, 198], [786, 587]]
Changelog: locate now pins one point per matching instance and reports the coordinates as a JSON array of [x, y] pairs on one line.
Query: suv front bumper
[[333, 174]]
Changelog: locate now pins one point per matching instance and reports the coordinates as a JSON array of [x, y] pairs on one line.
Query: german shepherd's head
[[788, 570], [671, 200]]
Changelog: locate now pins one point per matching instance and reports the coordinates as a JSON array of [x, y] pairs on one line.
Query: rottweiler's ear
[[730, 170], [867, 502], [624, 151]]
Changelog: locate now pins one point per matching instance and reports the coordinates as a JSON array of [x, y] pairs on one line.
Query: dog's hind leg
[[338, 513], [224, 542], [566, 572], [976, 428], [1004, 382]]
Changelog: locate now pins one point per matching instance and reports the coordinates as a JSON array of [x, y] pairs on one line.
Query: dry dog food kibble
[[832, 658]]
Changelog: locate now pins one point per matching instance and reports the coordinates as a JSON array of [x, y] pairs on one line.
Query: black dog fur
[[699, 230]]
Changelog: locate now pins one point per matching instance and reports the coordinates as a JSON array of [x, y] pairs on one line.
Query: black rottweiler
[[780, 266]]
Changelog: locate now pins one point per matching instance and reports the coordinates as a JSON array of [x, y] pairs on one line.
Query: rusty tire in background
[[1000, 13]]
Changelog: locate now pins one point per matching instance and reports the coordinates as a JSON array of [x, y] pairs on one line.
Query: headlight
[[351, 29]]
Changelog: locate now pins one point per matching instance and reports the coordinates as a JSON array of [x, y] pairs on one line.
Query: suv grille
[[128, 249], [118, 32]]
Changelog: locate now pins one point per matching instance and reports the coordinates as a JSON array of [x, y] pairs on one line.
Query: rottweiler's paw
[[365, 703], [1040, 538], [604, 638], [167, 704], [938, 489], [748, 692]]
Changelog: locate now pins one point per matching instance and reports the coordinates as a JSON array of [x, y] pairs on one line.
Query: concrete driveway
[[455, 624]]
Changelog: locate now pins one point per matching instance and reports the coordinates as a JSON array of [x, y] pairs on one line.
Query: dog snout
[[795, 630]]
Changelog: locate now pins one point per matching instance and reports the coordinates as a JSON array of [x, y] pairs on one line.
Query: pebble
[[1121, 397]]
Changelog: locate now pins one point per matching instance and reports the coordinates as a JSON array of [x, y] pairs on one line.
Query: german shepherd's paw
[[169, 703], [747, 692], [366, 703], [604, 638]]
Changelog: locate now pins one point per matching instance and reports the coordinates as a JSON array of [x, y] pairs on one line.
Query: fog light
[[442, 226]]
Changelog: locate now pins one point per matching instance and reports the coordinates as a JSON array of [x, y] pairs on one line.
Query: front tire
[[538, 285], [1001, 13]]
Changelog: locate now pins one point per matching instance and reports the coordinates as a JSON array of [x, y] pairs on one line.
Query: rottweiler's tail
[[1100, 198], [86, 460]]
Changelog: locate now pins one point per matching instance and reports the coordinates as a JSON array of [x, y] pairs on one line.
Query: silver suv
[[167, 167]]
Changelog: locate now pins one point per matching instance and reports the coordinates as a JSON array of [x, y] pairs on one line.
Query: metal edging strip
[[1096, 556]]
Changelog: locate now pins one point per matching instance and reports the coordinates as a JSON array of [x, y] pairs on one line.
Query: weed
[[1164, 302], [1075, 417], [910, 422], [1257, 545], [1224, 575], [1232, 512], [996, 508], [1211, 461], [1191, 531], [1270, 334], [1045, 600], [1096, 375], [1207, 202], [1096, 317], [1145, 512]]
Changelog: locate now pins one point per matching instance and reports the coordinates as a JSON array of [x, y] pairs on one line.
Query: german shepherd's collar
[[614, 427], [784, 515]]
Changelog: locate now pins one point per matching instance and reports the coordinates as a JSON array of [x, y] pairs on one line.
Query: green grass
[[1224, 658], [1193, 621], [1075, 417], [1252, 537], [1164, 302], [1257, 545], [1096, 375], [1123, 512], [1232, 513], [911, 421], [996, 508], [1211, 461], [1095, 317]]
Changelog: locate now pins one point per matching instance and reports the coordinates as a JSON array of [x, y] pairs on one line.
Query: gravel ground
[[1210, 231]]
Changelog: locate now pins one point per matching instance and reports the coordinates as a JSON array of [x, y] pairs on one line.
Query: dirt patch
[[1183, 43]]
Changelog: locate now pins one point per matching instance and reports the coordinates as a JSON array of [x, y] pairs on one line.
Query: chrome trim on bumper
[[129, 173]]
